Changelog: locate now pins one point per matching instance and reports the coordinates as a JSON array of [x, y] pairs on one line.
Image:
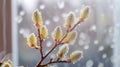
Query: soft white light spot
[[64, 15], [86, 47], [42, 7], [47, 22], [76, 10], [111, 7], [55, 18], [24, 32], [29, 5], [89, 63], [93, 28], [22, 13], [84, 39], [104, 56], [61, 4], [101, 48], [49, 43], [100, 65], [96, 42], [19, 19]]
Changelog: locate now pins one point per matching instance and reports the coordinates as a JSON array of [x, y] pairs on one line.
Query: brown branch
[[40, 40], [75, 26], [50, 50], [55, 45], [60, 61]]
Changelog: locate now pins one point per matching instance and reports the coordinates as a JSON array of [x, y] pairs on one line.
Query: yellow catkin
[[70, 37], [32, 40], [37, 18], [70, 20], [84, 14], [7, 64], [57, 33], [75, 56], [43, 32], [63, 50]]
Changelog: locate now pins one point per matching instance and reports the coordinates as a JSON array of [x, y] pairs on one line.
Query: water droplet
[[61, 4]]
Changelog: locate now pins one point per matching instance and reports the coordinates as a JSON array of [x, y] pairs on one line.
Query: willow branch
[[55, 45], [75, 26], [40, 40], [60, 61]]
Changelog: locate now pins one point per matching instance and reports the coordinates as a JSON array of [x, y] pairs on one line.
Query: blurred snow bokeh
[[95, 36]]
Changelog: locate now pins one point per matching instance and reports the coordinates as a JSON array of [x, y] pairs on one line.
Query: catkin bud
[[84, 13], [63, 50], [37, 18], [7, 64], [57, 34], [32, 40], [70, 19], [43, 32], [70, 37], [75, 56]]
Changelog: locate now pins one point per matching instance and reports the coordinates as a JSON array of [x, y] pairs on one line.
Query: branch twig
[[55, 45], [64, 61], [40, 40]]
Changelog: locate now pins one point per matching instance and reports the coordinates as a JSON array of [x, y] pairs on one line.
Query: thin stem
[[55, 45], [50, 51], [64, 37], [40, 40], [55, 62], [75, 26], [41, 48]]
